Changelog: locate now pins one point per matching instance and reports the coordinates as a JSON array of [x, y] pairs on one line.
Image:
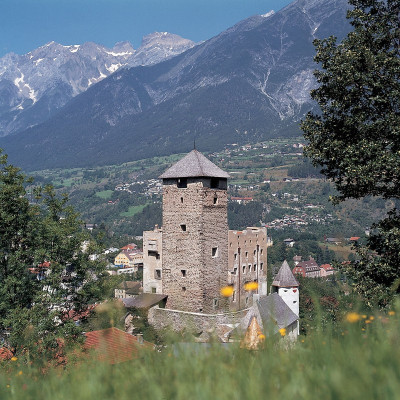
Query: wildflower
[[8, 386], [363, 329], [368, 321], [371, 317], [302, 340], [249, 286], [14, 358], [391, 313], [282, 331], [20, 373], [261, 337], [227, 291], [364, 317], [352, 317]]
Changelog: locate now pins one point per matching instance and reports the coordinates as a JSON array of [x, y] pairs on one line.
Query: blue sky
[[28, 24]]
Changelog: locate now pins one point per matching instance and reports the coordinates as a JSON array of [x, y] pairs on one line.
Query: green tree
[[45, 272], [355, 139]]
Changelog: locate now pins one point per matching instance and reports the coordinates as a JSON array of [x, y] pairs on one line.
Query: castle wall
[[247, 262], [152, 261], [176, 320], [290, 295]]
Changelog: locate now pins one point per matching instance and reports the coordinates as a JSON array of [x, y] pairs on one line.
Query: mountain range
[[249, 83], [35, 85]]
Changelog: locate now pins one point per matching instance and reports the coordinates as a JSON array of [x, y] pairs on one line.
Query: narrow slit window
[[215, 200], [183, 271], [183, 227], [214, 251]]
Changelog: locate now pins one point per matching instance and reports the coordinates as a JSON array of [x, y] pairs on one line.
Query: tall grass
[[354, 360]]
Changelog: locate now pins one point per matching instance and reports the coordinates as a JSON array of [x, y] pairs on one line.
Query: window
[[183, 289], [215, 302], [261, 266], [244, 269], [183, 272], [246, 254], [249, 267], [261, 251], [214, 251], [255, 267], [254, 252], [181, 199], [214, 183], [215, 200], [235, 271], [183, 227], [153, 290], [157, 273], [182, 183], [235, 256], [234, 296]]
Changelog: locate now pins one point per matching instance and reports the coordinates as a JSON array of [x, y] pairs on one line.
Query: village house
[[127, 289], [132, 259], [326, 270], [309, 269]]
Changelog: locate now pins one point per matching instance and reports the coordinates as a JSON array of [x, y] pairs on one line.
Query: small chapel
[[194, 255]]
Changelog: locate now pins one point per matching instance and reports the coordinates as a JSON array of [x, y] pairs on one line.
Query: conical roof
[[194, 164], [285, 277], [253, 336]]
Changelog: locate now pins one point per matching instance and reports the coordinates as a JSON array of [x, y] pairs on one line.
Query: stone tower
[[286, 285], [195, 234]]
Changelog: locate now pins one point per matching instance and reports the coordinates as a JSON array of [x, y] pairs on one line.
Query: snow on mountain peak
[[268, 14]]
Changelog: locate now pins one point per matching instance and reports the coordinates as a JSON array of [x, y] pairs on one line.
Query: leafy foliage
[[44, 271], [356, 137]]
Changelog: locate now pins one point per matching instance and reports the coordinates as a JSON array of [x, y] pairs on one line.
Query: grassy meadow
[[358, 358]]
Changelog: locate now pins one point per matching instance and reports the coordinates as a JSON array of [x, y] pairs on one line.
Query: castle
[[194, 256]]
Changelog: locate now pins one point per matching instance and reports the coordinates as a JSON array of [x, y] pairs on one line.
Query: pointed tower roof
[[194, 164], [253, 336], [285, 277]]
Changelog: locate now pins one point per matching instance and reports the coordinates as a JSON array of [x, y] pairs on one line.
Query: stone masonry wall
[[162, 318], [247, 263], [194, 222], [152, 261]]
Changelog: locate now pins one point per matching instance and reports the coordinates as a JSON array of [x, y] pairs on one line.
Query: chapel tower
[[195, 234], [287, 287]]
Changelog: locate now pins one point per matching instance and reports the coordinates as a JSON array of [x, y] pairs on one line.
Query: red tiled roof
[[326, 267], [354, 238], [129, 246], [45, 264], [5, 354], [113, 345], [74, 315]]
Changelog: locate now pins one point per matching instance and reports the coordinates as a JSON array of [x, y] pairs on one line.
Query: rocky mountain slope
[[248, 83], [34, 85]]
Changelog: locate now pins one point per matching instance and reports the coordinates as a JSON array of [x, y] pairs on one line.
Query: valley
[[271, 184]]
